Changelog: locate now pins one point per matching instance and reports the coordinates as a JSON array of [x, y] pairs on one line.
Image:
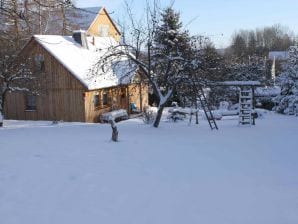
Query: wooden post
[[128, 100], [141, 96], [197, 113], [190, 117]]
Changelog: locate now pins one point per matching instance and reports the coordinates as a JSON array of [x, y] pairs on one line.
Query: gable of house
[[103, 26]]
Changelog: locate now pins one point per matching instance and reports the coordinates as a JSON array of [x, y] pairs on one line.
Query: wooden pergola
[[243, 84]]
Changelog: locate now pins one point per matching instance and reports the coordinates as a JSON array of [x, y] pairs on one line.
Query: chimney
[[81, 38]]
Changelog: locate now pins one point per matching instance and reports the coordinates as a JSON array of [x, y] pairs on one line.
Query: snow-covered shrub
[[148, 115], [288, 81], [265, 103], [286, 104], [223, 105], [265, 96], [176, 116], [260, 113]]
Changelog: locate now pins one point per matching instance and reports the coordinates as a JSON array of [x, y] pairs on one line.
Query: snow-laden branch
[[164, 99]]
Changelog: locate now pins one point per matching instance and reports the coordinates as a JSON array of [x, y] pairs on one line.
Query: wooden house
[[70, 89]]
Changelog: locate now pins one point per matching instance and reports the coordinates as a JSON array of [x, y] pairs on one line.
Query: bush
[[148, 116], [287, 104], [266, 103]]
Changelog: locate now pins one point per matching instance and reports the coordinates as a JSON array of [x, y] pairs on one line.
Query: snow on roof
[[240, 83], [268, 91], [81, 61], [278, 55]]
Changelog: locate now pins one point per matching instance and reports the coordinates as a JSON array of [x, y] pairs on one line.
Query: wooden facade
[[119, 97], [63, 97], [60, 95]]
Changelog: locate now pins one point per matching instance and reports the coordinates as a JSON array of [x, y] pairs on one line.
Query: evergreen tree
[[169, 56], [170, 39], [288, 81], [170, 42]]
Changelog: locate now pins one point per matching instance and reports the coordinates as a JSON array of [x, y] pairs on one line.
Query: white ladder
[[245, 106]]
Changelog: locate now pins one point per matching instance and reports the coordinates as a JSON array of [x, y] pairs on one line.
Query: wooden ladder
[[206, 108], [245, 106]]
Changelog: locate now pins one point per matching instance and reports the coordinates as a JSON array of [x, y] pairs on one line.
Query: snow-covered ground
[[71, 173]]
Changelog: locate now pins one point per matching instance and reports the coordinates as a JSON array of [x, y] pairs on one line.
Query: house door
[[123, 98]]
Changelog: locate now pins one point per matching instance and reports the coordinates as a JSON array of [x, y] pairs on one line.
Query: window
[[137, 78], [123, 93], [103, 30], [30, 102], [96, 100], [105, 98], [39, 62]]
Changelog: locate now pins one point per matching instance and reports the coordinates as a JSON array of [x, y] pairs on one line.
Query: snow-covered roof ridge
[[268, 91], [80, 61]]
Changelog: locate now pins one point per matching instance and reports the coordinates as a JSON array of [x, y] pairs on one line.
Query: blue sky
[[218, 19]]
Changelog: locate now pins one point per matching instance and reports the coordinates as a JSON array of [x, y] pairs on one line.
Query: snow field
[[73, 173]]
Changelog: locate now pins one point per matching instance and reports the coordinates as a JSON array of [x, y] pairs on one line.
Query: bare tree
[[15, 75], [259, 41], [158, 49], [20, 19]]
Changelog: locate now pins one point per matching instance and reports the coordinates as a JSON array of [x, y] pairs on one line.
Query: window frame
[[96, 100], [39, 62], [105, 99], [30, 102], [103, 30]]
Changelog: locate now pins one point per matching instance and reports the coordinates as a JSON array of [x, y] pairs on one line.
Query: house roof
[[239, 83], [80, 62], [83, 17], [77, 18]]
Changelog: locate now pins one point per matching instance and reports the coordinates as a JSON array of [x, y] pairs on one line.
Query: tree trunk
[[191, 113], [114, 130], [1, 112], [64, 25], [197, 113], [158, 116], [1, 119], [2, 109]]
